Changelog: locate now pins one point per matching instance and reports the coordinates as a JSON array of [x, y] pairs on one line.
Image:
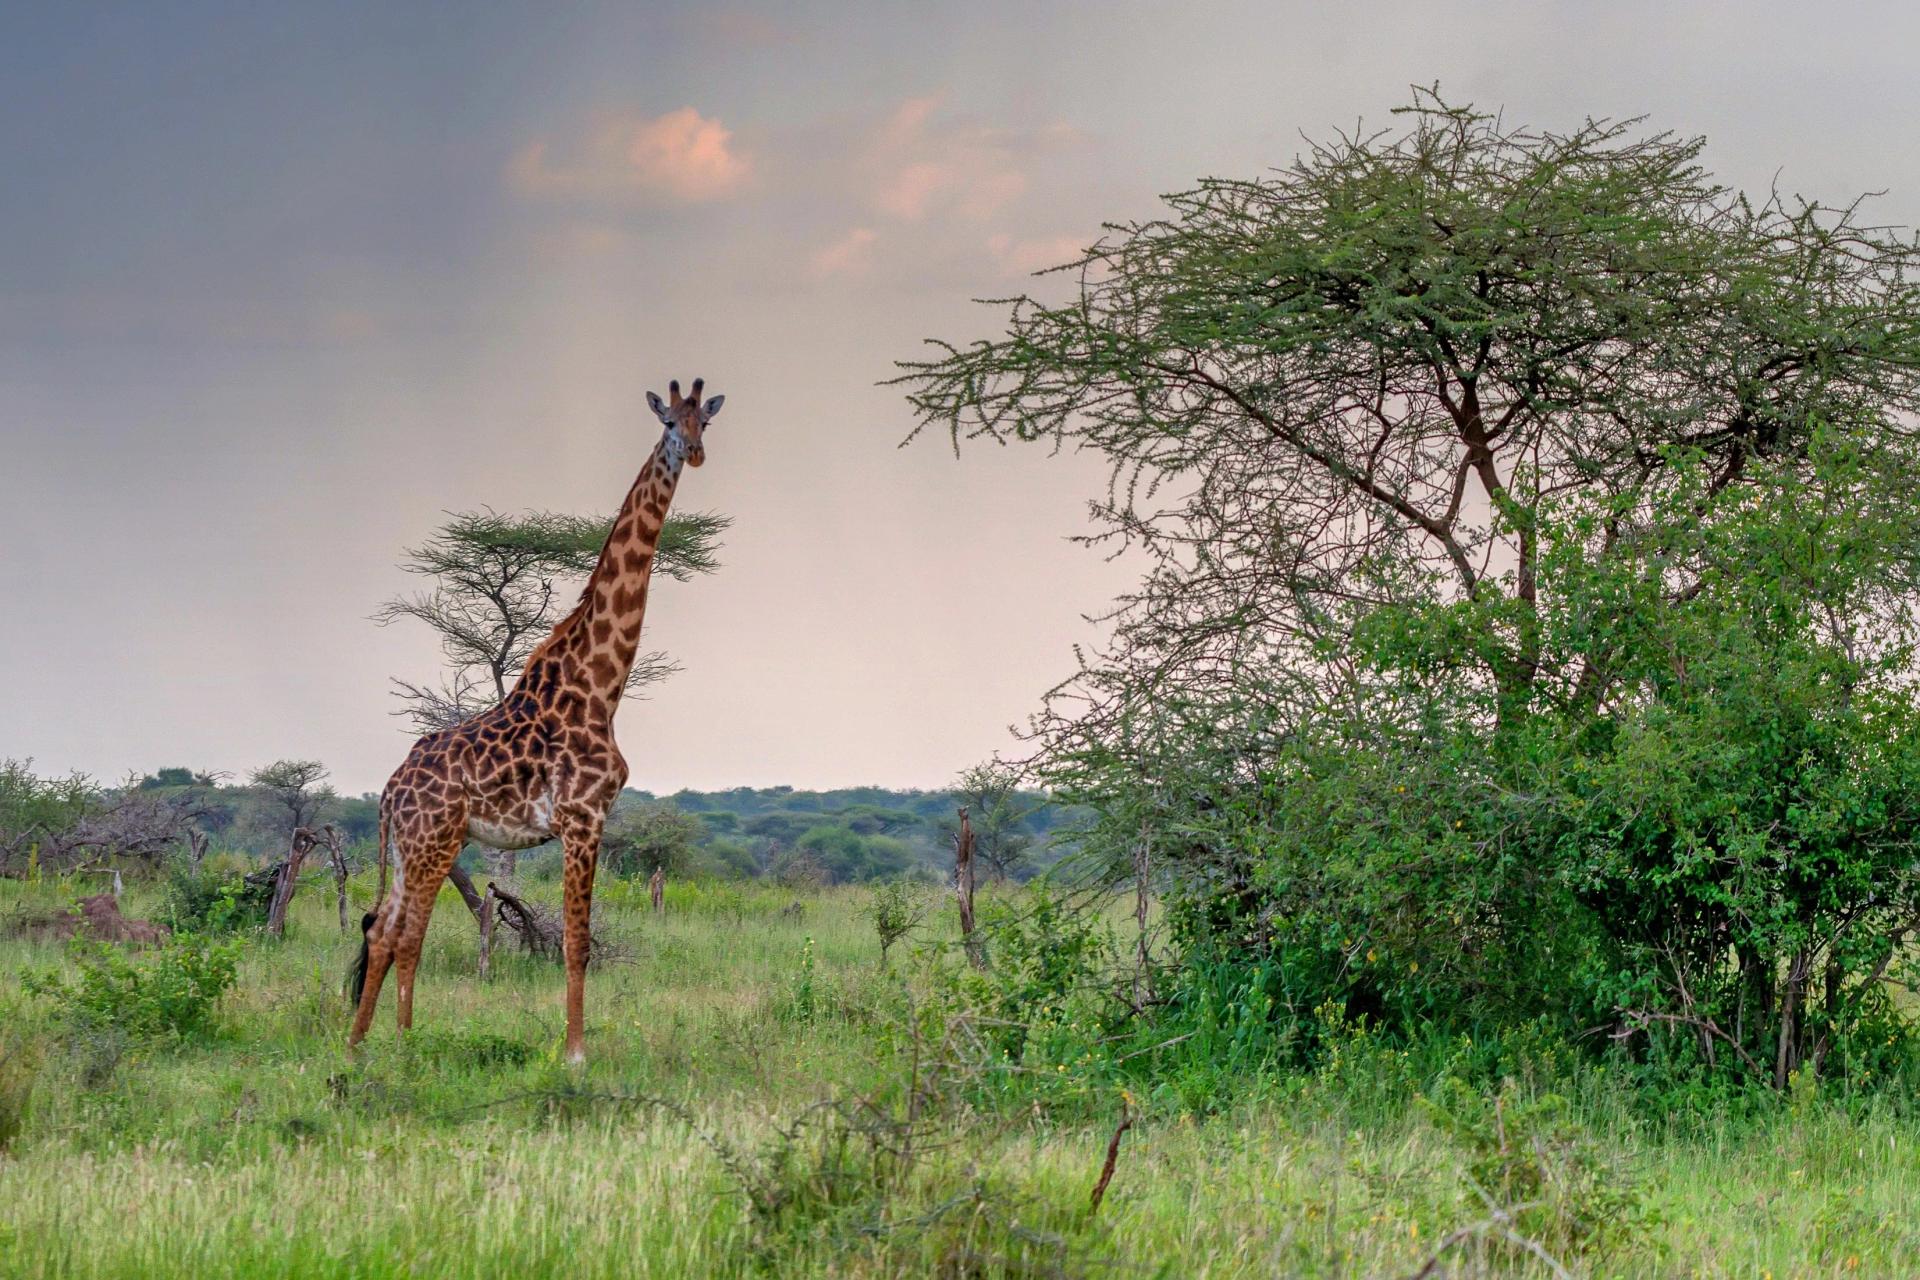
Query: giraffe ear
[[712, 407], [659, 408]]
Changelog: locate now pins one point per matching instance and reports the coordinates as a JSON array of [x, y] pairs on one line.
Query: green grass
[[469, 1150]]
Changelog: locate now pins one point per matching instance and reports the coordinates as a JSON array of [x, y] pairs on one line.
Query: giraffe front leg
[[582, 843]]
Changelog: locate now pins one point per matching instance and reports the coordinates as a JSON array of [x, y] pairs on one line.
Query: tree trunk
[[337, 858], [657, 889], [486, 931], [1143, 979], [1787, 1054], [963, 890], [464, 883], [287, 881]]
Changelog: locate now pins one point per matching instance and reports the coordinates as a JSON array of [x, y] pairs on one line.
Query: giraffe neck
[[581, 669]]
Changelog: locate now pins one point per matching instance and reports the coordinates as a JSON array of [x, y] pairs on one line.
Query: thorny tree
[[70, 824], [1357, 384], [297, 786], [501, 582], [1469, 464]]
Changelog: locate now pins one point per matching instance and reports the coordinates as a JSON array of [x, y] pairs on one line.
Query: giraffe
[[541, 764]]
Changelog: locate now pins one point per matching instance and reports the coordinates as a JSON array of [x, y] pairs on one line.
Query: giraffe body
[[541, 765]]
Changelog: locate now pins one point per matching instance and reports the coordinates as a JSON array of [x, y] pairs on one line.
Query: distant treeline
[[848, 835], [853, 834]]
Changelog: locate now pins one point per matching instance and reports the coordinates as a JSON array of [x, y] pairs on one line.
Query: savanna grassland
[[764, 1099]]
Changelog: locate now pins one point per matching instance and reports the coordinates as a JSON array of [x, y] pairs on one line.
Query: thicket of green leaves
[[1526, 635]]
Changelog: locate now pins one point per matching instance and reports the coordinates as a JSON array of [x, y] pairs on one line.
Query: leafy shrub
[[805, 996], [1048, 960], [169, 992], [1536, 1171], [897, 908], [209, 901]]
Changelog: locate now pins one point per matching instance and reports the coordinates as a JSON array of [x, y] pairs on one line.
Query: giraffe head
[[686, 420]]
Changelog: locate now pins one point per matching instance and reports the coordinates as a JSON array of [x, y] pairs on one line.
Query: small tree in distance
[[898, 908], [651, 837], [298, 787], [990, 793], [500, 582]]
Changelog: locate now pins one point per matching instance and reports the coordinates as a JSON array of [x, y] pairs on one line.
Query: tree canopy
[[1361, 384], [500, 582]]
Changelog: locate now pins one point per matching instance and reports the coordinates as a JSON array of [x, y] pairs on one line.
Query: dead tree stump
[[963, 890], [286, 880], [657, 888]]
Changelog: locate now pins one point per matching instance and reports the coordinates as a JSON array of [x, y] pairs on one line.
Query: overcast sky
[[277, 288]]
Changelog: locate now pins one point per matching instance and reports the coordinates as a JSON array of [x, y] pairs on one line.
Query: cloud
[[1020, 257], [908, 121], [907, 193], [925, 166], [851, 254], [681, 157]]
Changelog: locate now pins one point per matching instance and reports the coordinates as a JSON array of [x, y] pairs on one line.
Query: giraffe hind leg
[[376, 954], [426, 871]]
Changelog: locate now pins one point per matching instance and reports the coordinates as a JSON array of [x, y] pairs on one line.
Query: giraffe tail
[[357, 975]]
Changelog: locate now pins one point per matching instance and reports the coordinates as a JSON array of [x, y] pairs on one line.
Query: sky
[[279, 286]]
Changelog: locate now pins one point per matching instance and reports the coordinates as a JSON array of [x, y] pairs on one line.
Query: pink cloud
[[851, 254], [908, 120], [681, 157], [907, 192], [925, 166]]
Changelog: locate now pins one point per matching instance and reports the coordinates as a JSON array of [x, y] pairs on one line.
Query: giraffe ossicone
[[541, 765]]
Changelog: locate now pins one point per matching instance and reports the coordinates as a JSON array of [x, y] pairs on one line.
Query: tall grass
[[262, 1148]]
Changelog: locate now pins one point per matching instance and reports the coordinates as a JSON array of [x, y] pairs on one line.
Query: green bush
[[172, 991], [1536, 1172], [897, 909], [207, 901]]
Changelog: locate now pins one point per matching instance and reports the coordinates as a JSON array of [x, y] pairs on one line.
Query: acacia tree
[[67, 824], [1444, 449], [500, 582], [297, 786], [648, 837], [1360, 383]]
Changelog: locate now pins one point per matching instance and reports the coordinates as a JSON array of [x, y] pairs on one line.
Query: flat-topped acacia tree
[[1530, 570], [498, 584]]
